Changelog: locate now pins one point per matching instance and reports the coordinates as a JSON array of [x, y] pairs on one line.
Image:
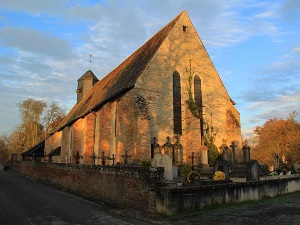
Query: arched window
[[198, 101], [198, 92], [177, 103]]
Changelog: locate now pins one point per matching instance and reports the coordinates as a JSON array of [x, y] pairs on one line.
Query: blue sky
[[45, 47]]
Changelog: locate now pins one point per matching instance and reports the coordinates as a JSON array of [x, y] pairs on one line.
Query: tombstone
[[224, 150], [222, 165], [178, 153], [252, 170], [246, 152], [168, 147], [165, 161], [155, 148]]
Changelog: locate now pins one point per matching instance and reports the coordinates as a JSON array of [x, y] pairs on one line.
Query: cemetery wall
[[178, 200], [120, 189]]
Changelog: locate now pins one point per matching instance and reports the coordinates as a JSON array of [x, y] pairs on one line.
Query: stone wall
[[140, 188], [188, 199], [124, 189]]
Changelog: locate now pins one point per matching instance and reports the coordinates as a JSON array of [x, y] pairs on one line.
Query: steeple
[[85, 82]]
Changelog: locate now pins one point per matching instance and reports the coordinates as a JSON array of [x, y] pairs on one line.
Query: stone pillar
[[204, 156], [233, 160], [246, 152], [178, 152]]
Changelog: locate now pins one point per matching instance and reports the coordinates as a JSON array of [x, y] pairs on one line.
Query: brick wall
[[119, 188]]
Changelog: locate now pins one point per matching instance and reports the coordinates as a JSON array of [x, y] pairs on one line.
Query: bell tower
[[85, 82]]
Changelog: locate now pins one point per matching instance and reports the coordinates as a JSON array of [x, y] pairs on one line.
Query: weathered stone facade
[[129, 120]]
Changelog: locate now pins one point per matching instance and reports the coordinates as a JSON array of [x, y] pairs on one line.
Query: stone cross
[[112, 158], [193, 157], [126, 156]]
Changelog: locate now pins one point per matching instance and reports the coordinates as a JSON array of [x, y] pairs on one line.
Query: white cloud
[[46, 65], [297, 50], [33, 41]]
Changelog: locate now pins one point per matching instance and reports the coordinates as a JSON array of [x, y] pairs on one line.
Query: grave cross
[[192, 157], [103, 158], [78, 157], [112, 158], [94, 157], [126, 156]]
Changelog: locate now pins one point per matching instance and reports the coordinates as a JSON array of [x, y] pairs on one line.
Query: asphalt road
[[25, 201]]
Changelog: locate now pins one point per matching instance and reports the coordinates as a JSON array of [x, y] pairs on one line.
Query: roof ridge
[[122, 78]]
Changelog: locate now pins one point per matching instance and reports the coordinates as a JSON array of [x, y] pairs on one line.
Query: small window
[[184, 28]]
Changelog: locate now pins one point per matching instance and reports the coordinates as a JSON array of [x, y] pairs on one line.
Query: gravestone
[[224, 150], [165, 161], [252, 170], [222, 165], [168, 147], [155, 148]]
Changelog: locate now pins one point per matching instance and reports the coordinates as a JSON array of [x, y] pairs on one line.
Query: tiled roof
[[121, 79]]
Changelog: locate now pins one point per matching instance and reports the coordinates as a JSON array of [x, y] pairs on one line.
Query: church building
[[167, 92]]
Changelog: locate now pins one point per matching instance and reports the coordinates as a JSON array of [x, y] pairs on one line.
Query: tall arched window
[[177, 103], [198, 100]]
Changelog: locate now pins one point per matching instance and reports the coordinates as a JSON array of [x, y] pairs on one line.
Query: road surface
[[25, 201]]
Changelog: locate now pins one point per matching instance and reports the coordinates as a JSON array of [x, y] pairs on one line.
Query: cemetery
[[160, 184]]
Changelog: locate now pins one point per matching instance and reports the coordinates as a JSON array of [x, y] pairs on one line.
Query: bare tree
[[52, 118]]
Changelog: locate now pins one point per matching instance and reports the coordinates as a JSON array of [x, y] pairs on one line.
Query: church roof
[[121, 79], [89, 74]]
